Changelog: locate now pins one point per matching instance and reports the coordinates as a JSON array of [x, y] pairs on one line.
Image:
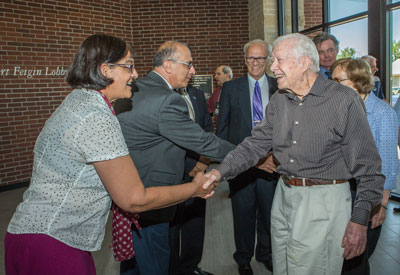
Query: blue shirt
[[378, 88], [396, 107], [263, 82], [325, 72], [384, 125]]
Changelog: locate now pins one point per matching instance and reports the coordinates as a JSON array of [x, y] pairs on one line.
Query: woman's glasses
[[129, 67]]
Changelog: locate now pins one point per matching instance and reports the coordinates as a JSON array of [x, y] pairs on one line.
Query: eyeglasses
[[129, 67], [188, 65], [260, 59], [339, 80]]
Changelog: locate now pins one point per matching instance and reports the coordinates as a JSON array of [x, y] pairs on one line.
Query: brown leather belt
[[308, 182]]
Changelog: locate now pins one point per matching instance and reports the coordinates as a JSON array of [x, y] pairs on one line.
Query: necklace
[[107, 101]]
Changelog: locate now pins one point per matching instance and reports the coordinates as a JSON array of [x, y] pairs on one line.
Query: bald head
[[173, 61], [169, 50]]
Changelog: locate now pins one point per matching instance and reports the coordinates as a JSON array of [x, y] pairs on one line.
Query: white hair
[[227, 70], [268, 47], [368, 57], [302, 46]]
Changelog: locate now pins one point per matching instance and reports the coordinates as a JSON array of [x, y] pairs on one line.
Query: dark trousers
[[360, 265], [252, 198], [151, 251], [187, 236]]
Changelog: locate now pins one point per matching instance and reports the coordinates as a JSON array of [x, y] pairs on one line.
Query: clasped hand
[[205, 185]]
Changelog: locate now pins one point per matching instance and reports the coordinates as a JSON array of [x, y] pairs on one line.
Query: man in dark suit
[[188, 227], [242, 106], [158, 131]]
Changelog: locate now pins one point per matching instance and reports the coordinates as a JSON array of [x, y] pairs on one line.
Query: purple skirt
[[42, 254]]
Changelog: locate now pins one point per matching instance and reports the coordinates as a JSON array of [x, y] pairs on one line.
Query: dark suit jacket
[[157, 131], [202, 117], [235, 118], [235, 122]]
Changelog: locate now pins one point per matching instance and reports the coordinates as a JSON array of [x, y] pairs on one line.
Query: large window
[[395, 62], [343, 8], [353, 38]]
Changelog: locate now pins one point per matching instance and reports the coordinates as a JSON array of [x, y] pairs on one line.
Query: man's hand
[[378, 218], [200, 181], [267, 164], [354, 240], [199, 167], [213, 177]]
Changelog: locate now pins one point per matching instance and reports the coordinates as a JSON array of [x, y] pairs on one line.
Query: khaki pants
[[307, 228]]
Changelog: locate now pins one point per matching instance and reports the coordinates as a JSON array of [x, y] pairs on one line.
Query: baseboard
[[9, 187], [395, 196]]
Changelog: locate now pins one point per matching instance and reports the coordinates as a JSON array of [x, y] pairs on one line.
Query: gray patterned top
[[66, 198]]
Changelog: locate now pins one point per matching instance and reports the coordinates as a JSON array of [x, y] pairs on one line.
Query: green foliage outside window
[[395, 50], [346, 52]]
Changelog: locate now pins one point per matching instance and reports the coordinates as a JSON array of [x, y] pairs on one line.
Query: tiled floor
[[219, 246]]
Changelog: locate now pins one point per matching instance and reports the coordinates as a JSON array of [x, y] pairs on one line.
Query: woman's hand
[[199, 181]]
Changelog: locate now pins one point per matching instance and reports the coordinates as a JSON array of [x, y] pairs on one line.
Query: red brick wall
[[41, 37], [312, 13], [215, 30]]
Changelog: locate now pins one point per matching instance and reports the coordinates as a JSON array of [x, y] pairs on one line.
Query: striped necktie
[[257, 105]]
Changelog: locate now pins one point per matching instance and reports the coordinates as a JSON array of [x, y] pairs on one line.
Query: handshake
[[207, 182]]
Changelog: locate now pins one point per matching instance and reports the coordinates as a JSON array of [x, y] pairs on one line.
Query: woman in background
[[81, 163], [356, 74]]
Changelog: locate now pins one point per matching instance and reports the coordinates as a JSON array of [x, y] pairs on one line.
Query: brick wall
[[39, 38], [312, 13], [215, 31]]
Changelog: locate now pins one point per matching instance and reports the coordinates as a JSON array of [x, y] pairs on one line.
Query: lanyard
[[107, 101]]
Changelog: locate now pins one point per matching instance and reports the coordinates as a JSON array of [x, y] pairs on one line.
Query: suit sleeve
[[176, 125]]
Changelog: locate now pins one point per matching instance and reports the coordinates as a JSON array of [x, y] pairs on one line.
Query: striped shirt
[[323, 136]]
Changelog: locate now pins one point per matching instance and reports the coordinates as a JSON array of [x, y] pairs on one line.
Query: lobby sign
[[25, 72], [204, 83]]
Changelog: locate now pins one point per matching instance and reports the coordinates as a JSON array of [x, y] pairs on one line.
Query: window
[[353, 38], [395, 58], [343, 8]]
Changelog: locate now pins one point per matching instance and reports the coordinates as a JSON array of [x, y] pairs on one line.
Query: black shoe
[[268, 265], [198, 271], [245, 269]]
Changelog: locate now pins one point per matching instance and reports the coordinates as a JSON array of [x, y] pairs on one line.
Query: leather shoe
[[268, 265], [198, 271], [245, 269]]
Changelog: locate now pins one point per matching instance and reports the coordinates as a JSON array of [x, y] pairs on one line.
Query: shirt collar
[[323, 71], [319, 86], [169, 85], [370, 102], [317, 89], [253, 81]]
